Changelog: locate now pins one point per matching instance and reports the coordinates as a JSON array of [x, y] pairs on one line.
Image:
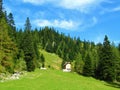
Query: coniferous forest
[[19, 50]]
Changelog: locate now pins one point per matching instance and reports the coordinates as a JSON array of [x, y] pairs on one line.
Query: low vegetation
[[55, 80], [52, 60]]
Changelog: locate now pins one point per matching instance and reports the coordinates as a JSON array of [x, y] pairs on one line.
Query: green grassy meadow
[[52, 60], [54, 80]]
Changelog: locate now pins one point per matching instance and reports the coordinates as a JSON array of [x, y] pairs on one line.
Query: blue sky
[[89, 19]]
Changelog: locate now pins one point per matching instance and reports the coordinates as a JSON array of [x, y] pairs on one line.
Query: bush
[[20, 65]]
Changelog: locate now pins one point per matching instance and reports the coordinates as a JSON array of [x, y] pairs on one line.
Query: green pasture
[[55, 80]]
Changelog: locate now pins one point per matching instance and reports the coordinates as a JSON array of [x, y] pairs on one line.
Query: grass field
[[52, 60], [55, 80]]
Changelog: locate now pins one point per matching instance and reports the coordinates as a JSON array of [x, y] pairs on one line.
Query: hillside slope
[[55, 80], [52, 60]]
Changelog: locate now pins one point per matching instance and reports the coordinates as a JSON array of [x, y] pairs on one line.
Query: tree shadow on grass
[[113, 84]]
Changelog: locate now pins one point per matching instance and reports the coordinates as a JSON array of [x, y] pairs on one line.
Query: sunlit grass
[[54, 80], [52, 60]]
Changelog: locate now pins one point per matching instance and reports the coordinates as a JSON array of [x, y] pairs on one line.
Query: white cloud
[[116, 9], [68, 25], [110, 10], [39, 2], [56, 23], [81, 5], [36, 2], [88, 23]]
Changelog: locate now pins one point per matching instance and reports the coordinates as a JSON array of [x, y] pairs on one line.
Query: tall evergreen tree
[[8, 48], [28, 47], [11, 20], [12, 29], [1, 7], [117, 63], [88, 68], [28, 25], [119, 48], [43, 61], [79, 64], [106, 66]]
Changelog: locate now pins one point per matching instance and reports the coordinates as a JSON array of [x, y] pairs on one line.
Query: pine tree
[[28, 25], [88, 68], [119, 47], [28, 47], [43, 61], [8, 48], [79, 64], [11, 20], [117, 63], [1, 7], [12, 28], [106, 66]]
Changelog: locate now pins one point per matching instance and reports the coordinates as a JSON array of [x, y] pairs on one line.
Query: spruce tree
[[117, 63], [88, 68], [11, 20], [1, 3], [43, 60], [119, 48], [28, 47], [79, 64], [106, 66], [8, 48], [12, 28], [28, 25]]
